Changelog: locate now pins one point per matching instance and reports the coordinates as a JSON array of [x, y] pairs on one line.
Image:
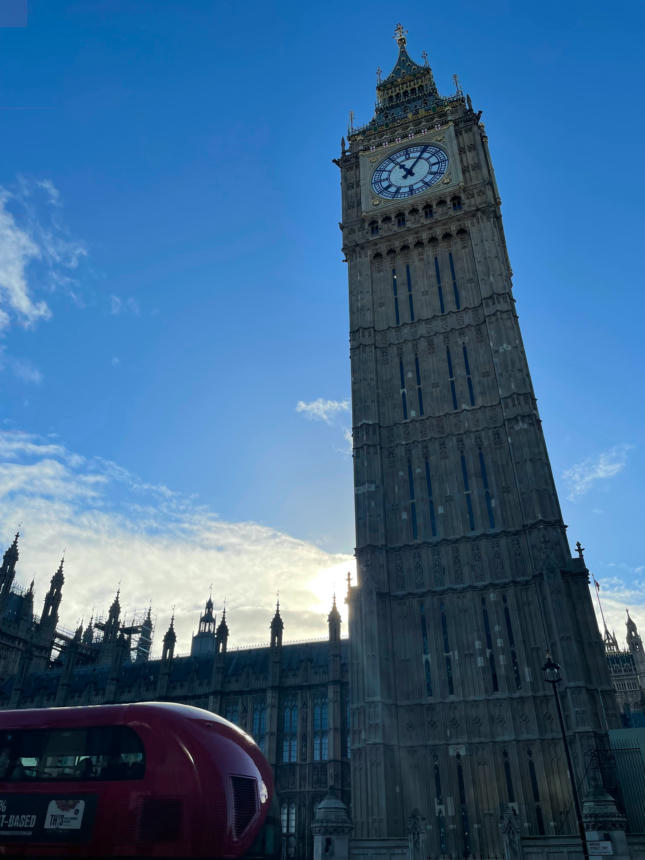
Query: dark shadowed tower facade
[[465, 577]]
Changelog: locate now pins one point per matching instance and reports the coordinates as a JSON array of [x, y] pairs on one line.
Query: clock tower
[[465, 577]]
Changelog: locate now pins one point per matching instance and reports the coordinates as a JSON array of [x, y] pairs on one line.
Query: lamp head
[[551, 670]]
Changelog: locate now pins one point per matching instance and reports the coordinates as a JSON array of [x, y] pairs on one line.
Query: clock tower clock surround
[[465, 579]]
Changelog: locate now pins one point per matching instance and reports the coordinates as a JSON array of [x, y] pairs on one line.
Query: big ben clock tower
[[465, 577]]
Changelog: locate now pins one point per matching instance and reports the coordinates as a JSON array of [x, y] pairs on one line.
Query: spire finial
[[400, 34], [379, 72], [580, 549], [424, 57]]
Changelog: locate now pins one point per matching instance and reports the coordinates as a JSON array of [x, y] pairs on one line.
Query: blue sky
[[171, 283]]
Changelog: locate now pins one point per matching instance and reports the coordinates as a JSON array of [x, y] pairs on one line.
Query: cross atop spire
[[399, 34]]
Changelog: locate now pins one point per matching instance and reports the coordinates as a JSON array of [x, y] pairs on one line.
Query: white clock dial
[[409, 171]]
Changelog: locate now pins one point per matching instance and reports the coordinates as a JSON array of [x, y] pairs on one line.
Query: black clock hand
[[411, 169]]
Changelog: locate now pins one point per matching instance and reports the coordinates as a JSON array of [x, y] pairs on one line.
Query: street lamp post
[[552, 676]]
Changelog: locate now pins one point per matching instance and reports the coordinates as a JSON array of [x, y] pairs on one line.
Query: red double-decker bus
[[146, 780]]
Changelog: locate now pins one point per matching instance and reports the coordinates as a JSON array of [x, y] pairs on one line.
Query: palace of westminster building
[[433, 716]]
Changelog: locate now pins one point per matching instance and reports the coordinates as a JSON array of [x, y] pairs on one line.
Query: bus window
[[94, 753]]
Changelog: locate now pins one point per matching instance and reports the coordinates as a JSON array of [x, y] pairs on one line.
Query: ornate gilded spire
[[399, 34], [408, 88]]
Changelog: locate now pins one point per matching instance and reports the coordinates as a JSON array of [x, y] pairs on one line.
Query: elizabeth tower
[[465, 577]]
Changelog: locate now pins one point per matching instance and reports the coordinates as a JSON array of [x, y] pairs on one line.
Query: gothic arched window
[[290, 731], [260, 724], [321, 725]]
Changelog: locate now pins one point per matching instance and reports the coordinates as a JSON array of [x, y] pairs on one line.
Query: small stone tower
[[204, 641], [277, 626]]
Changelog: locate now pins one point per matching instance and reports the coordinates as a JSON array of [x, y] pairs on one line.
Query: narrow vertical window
[[446, 652], [489, 647], [469, 501], [348, 733], [443, 842], [404, 396], [451, 377], [454, 281], [407, 273], [487, 496], [419, 391], [511, 642], [439, 288], [413, 504], [536, 793], [396, 297], [321, 725], [465, 826], [469, 380], [260, 724], [289, 731], [433, 519], [426, 653], [509, 779], [288, 817]]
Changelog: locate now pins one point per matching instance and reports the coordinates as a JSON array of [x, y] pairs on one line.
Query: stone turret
[[49, 617], [8, 568], [204, 641], [112, 625], [169, 642], [635, 644], [334, 621], [277, 626], [222, 635]]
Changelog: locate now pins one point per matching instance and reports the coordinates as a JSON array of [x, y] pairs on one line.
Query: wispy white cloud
[[119, 305], [17, 250], [580, 478], [322, 410], [20, 367], [37, 253], [161, 546]]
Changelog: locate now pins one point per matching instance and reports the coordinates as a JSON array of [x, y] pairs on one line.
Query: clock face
[[409, 171]]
